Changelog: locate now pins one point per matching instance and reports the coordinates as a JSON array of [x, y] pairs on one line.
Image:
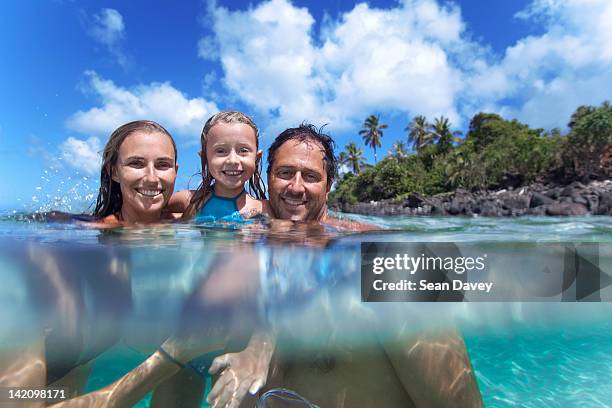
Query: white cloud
[[550, 75], [207, 49], [158, 101], [107, 27], [368, 60], [83, 155], [415, 58]]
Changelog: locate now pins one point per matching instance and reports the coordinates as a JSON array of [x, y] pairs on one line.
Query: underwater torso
[[217, 207]]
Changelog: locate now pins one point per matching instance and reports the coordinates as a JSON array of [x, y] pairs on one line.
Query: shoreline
[[574, 199]]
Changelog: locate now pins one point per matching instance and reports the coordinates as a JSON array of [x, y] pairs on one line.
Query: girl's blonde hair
[[256, 186]]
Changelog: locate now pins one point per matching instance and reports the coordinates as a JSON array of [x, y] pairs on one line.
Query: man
[[394, 370], [301, 171]]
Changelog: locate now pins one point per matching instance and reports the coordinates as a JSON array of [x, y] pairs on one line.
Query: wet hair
[[109, 199], [255, 185], [307, 132]]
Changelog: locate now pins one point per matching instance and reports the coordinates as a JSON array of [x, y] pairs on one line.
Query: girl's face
[[231, 154], [146, 170]]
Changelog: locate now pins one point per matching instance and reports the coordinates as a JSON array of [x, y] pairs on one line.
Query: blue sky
[[71, 72]]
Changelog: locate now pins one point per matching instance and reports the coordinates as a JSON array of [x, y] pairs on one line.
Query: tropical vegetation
[[372, 132], [495, 153]]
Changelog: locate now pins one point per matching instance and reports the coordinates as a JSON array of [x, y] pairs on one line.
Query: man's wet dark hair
[[307, 132]]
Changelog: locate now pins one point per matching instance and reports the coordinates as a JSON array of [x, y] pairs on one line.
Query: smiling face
[[146, 171], [231, 155], [298, 181]]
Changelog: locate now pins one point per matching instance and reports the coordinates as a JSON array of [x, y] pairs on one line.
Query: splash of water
[[59, 190]]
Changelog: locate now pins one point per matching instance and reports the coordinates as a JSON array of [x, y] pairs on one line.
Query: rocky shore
[[574, 199]]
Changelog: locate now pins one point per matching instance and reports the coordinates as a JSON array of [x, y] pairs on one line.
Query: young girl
[[230, 158]]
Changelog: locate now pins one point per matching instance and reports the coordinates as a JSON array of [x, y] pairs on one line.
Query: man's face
[[298, 181]]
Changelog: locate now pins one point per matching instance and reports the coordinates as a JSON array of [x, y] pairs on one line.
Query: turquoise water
[[555, 368], [535, 355]]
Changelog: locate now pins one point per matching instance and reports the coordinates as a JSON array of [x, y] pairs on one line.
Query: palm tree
[[442, 134], [398, 150], [352, 156], [418, 133], [371, 131]]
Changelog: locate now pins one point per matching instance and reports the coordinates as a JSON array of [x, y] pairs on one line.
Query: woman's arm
[[133, 386]]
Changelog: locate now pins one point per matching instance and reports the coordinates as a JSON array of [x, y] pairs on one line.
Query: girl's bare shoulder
[[252, 206]]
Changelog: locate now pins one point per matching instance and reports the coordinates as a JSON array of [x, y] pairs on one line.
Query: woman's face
[[146, 171]]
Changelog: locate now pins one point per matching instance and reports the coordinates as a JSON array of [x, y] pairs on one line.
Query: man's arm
[[435, 369]]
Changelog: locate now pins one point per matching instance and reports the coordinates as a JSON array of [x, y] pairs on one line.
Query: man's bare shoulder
[[348, 225]]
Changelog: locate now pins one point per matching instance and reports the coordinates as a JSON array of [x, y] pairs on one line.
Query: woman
[[136, 181], [138, 173]]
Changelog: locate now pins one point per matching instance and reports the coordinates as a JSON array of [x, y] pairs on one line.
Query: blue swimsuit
[[217, 208]]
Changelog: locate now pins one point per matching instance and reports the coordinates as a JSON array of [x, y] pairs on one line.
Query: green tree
[[344, 191], [589, 143], [418, 133], [497, 152], [398, 151], [580, 113], [443, 135], [371, 131], [480, 131], [353, 157]]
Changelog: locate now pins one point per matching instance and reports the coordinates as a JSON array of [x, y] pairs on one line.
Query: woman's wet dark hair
[[109, 199], [304, 132]]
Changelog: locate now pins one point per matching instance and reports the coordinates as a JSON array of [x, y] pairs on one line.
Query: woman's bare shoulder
[[110, 221]]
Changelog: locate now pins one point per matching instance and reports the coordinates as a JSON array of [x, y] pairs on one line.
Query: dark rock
[[554, 193], [414, 200], [438, 210], [592, 201], [566, 199], [538, 199], [454, 209], [605, 204], [541, 210], [490, 209], [519, 202], [577, 198], [461, 204], [462, 192], [566, 209], [535, 199], [571, 189]]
